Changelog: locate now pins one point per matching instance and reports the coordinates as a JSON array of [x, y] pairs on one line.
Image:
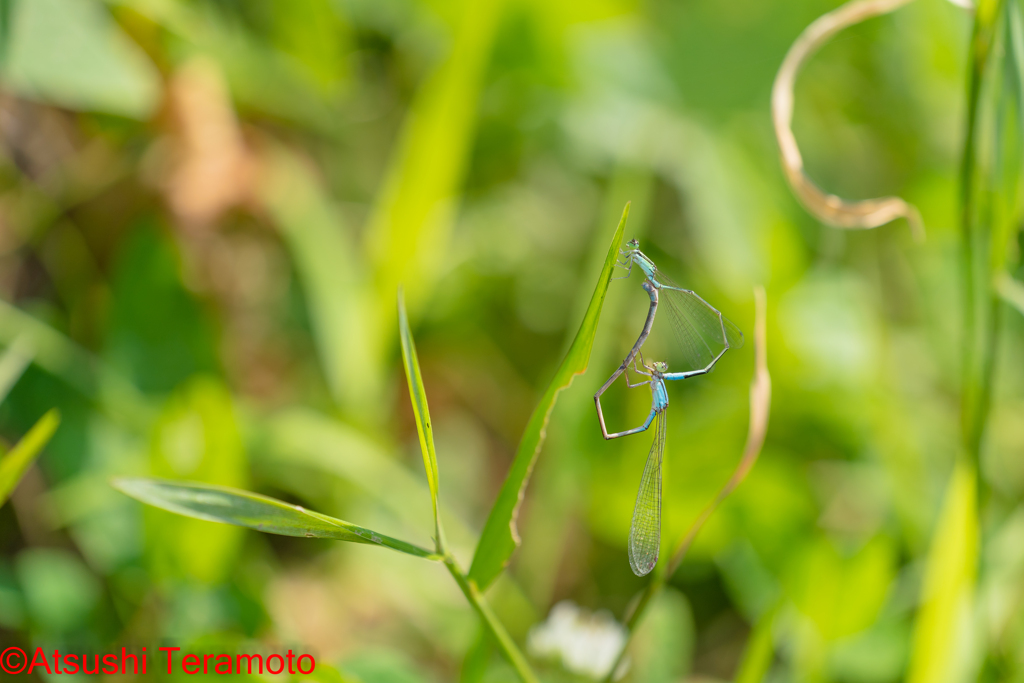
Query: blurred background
[[207, 208]]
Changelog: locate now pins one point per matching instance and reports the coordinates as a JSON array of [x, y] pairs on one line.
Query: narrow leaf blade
[[13, 364], [500, 537], [98, 69], [253, 511], [759, 651], [15, 463], [1010, 290], [411, 223], [323, 251], [420, 409], [948, 581]]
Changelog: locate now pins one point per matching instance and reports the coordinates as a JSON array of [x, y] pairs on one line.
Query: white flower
[[586, 643]]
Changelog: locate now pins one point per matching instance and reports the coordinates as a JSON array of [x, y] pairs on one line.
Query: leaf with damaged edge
[[500, 537]]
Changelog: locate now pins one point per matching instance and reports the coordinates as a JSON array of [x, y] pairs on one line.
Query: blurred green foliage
[[207, 207]]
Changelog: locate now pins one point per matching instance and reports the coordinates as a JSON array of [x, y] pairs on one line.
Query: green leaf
[[500, 537], [57, 354], [324, 252], [418, 397], [991, 209], [382, 665], [759, 651], [948, 581], [196, 437], [408, 236], [300, 437], [13, 364], [253, 511], [1010, 290], [477, 658], [60, 591], [73, 54], [842, 595], [312, 33], [14, 464], [5, 27], [53, 351], [665, 640]]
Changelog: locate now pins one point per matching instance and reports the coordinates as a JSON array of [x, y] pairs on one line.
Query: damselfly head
[[633, 244], [660, 366]]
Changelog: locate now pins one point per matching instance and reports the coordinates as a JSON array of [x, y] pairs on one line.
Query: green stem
[[501, 637], [980, 305], [634, 614]]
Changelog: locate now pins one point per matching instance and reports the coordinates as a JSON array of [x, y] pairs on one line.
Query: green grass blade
[[500, 537], [13, 363], [1010, 290], [989, 176], [300, 437], [100, 70], [475, 663], [759, 652], [55, 353], [409, 232], [325, 258], [14, 464], [253, 511], [418, 397], [948, 580]]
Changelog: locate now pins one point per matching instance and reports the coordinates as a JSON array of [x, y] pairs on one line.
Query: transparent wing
[[645, 532], [702, 333]]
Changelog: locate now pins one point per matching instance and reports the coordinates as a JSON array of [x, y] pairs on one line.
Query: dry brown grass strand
[[829, 208]]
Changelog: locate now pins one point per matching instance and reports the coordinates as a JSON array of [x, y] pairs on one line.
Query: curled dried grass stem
[[760, 407], [829, 208]]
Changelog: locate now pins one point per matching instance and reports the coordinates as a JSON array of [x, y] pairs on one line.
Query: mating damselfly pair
[[702, 335]]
